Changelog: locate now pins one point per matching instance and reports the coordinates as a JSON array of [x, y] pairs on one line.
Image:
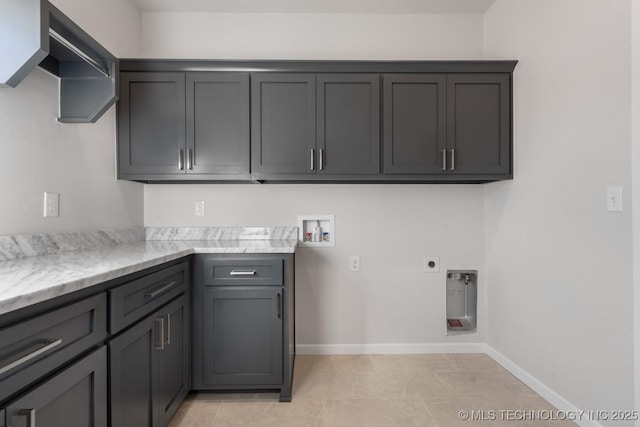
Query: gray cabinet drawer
[[242, 272], [32, 348], [136, 299], [76, 396]]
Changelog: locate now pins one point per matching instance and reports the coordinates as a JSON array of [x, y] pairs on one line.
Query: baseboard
[[539, 387], [390, 348]]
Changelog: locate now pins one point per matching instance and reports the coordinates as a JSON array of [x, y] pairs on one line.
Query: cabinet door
[[414, 114], [478, 123], [76, 397], [133, 366], [283, 134], [218, 123], [173, 360], [243, 336], [151, 117], [348, 123]]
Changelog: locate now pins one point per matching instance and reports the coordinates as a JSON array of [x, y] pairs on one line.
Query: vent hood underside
[[35, 33]]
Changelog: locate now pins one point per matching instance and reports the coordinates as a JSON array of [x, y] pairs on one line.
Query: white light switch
[[614, 199], [51, 204]]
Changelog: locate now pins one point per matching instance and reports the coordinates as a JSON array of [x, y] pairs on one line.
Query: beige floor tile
[[237, 414], [352, 364], [427, 386], [379, 390], [195, 413], [325, 386], [385, 384], [474, 362], [298, 413], [473, 383], [413, 363]]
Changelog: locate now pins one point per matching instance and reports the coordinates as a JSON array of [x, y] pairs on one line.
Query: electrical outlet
[[431, 264], [51, 204], [354, 263], [614, 199], [199, 208]]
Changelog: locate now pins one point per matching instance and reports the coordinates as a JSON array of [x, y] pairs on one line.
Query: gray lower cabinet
[[315, 124], [243, 328], [46, 376], [183, 126], [149, 368], [75, 397]]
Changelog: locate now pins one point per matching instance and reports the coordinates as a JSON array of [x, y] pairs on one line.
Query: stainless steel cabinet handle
[[162, 290], [159, 345], [48, 345], [30, 414], [180, 159], [321, 159], [444, 160], [313, 159], [453, 160], [242, 273], [190, 159], [167, 336]]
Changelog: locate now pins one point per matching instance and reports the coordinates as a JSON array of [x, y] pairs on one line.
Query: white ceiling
[[317, 6]]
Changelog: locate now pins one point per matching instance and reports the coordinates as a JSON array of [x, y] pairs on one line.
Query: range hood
[[35, 33]]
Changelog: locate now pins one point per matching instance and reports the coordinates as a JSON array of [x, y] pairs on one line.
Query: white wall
[[78, 161], [391, 301], [310, 36], [635, 99], [559, 266]]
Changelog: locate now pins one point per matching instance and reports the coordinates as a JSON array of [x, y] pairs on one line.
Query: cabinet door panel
[[243, 336], [414, 123], [133, 365], [478, 127], [218, 127], [349, 123], [173, 360], [76, 397], [151, 116], [282, 123]]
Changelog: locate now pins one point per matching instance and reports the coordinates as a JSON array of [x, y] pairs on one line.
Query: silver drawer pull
[[30, 414], [159, 328], [243, 273], [48, 345], [162, 290]]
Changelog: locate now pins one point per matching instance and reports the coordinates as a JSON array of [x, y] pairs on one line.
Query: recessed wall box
[[316, 230]]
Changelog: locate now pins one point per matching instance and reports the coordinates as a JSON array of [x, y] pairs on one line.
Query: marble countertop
[[30, 280]]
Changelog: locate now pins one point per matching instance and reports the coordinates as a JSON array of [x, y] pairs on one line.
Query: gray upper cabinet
[[316, 121], [315, 124], [415, 121], [218, 123], [183, 126], [348, 123], [151, 134], [479, 124], [283, 123]]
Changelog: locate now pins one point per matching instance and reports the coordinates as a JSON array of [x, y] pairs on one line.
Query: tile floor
[[379, 390]]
